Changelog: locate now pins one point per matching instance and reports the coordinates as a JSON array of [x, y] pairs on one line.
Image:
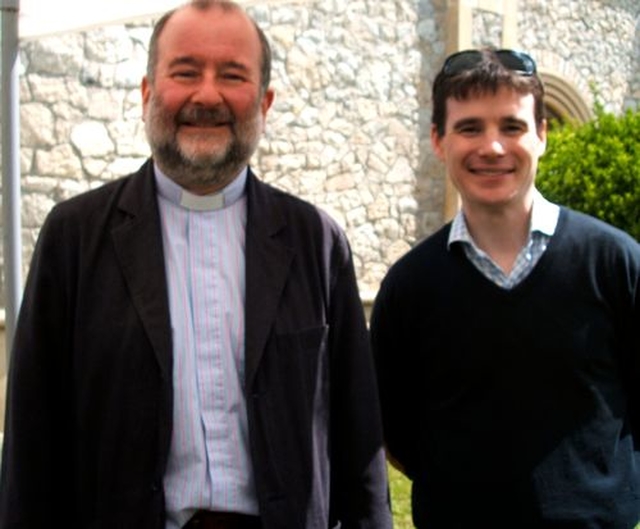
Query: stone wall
[[349, 129], [342, 132], [594, 44]]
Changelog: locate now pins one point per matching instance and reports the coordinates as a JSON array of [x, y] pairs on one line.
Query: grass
[[400, 499]]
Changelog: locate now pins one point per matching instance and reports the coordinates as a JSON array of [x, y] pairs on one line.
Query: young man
[[507, 343], [192, 350]]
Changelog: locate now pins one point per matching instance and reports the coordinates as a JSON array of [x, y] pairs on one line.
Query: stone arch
[[563, 100]]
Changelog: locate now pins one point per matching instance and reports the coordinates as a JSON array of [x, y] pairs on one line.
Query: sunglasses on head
[[515, 61]]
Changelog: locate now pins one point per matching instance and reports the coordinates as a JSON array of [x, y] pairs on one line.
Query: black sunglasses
[[515, 61]]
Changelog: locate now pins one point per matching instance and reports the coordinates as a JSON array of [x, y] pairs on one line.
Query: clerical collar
[[175, 194]]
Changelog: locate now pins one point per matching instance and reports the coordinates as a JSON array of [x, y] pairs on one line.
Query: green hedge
[[595, 168]]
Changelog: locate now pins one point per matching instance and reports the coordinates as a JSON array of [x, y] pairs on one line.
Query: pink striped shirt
[[209, 464]]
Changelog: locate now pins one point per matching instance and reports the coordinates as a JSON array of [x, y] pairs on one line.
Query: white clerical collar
[[175, 194]]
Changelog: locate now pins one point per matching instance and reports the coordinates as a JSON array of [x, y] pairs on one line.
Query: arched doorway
[[562, 101]]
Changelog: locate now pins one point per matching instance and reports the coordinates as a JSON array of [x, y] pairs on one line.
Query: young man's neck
[[500, 232]]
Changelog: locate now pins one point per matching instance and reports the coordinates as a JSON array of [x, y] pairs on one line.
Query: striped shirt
[[209, 465], [544, 218]]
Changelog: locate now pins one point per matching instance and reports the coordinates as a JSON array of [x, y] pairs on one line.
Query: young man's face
[[490, 148]]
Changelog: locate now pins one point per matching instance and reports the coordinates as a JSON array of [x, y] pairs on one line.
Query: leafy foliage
[[595, 168]]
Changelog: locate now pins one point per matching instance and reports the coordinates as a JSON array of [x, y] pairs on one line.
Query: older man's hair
[[205, 5]]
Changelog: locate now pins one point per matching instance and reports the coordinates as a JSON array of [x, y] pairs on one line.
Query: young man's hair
[[486, 76], [205, 5]]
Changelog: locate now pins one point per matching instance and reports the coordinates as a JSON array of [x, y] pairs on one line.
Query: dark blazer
[[89, 410]]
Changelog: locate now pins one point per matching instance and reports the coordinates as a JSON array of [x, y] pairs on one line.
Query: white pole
[[11, 168]]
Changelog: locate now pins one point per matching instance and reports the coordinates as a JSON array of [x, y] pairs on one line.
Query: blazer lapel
[[268, 260], [138, 245]]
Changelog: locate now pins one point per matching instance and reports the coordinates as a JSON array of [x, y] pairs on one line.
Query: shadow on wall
[[634, 89], [431, 182], [3, 380]]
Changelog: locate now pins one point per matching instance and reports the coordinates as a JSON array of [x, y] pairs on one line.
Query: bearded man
[[192, 349]]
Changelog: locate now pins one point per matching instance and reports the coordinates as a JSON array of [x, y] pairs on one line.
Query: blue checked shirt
[[544, 219]]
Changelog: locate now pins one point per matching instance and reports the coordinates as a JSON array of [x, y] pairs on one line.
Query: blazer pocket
[[304, 341], [300, 364]]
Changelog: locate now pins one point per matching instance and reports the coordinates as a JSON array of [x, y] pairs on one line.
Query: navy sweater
[[516, 408]]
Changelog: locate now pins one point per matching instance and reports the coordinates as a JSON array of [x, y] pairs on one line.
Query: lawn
[[400, 499]]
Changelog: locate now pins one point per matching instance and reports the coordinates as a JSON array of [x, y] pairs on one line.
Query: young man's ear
[[436, 142], [542, 137]]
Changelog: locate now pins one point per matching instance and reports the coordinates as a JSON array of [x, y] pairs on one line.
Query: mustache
[[205, 116]]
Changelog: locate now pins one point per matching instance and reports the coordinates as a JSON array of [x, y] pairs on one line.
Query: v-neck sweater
[[520, 407]]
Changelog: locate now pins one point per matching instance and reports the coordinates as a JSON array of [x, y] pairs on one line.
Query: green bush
[[595, 168]]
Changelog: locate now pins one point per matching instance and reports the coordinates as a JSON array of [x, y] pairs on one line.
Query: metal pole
[[11, 168]]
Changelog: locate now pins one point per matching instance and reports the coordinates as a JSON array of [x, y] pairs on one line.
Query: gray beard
[[202, 171], [206, 171]]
